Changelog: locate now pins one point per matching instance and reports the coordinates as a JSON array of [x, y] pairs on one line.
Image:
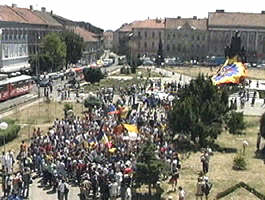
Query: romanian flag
[[232, 72]]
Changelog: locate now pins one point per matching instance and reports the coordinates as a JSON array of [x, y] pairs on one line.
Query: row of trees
[[57, 50]]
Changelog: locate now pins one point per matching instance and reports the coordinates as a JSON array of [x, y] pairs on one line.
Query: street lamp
[[4, 126]]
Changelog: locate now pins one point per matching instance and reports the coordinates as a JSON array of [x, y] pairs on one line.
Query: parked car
[[170, 62], [148, 63]]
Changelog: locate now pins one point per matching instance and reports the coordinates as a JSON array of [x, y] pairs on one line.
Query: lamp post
[[4, 126]]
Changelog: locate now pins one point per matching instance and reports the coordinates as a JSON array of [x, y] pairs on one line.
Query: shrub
[[10, 133], [236, 123], [67, 107], [240, 162], [93, 75], [92, 101]]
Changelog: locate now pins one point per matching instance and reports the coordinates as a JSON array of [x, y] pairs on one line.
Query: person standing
[[26, 181], [61, 189], [258, 142], [199, 191], [181, 193], [205, 162], [207, 187], [128, 194], [66, 190]]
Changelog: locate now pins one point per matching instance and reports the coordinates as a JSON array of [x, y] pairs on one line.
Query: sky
[[111, 14]]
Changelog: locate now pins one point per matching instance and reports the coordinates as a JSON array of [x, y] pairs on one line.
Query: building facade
[[22, 32], [189, 38], [108, 40], [186, 38], [222, 26]]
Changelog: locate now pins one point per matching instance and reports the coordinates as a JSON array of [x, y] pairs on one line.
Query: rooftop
[[236, 19], [179, 23], [86, 35]]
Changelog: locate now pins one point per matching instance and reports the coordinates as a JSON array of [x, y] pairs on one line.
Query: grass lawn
[[221, 173], [253, 73], [38, 115], [143, 71]]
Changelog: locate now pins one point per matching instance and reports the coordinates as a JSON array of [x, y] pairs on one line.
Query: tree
[[236, 123], [262, 125], [74, 46], [93, 75], [199, 111], [148, 166], [160, 55], [53, 52], [92, 101]]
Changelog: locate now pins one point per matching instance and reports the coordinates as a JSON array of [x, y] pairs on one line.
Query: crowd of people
[[96, 151]]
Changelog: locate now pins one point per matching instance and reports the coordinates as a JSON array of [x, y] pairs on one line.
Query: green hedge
[[235, 187], [10, 133]]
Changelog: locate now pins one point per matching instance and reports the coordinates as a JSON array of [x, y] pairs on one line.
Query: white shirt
[[114, 189], [128, 194]]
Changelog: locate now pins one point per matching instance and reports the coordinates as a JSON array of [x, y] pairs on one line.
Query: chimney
[[194, 17], [263, 12], [43, 9], [179, 17], [14, 5], [31, 7], [220, 11]]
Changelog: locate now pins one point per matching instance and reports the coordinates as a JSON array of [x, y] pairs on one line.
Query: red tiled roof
[[24, 15], [28, 15], [46, 16], [151, 23], [148, 23], [86, 35], [236, 19], [175, 23], [8, 14], [128, 27]]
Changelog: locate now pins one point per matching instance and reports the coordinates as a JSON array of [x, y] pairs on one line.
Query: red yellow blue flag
[[232, 72]]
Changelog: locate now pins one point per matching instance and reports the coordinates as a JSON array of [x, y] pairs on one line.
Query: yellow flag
[[131, 128]]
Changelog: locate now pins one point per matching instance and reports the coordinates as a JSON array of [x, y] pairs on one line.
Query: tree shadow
[[218, 148], [140, 196], [51, 192]]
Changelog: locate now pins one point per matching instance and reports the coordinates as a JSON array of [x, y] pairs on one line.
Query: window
[[168, 47], [145, 45], [168, 36], [159, 34], [179, 47], [174, 35], [153, 45], [173, 47], [192, 37], [145, 34], [139, 34], [153, 35], [5, 47], [198, 38]]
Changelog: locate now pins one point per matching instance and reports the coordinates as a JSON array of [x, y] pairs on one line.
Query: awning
[[14, 68]]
